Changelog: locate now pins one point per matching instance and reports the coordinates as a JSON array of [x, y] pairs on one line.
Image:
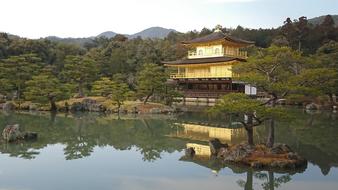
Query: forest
[[44, 71]]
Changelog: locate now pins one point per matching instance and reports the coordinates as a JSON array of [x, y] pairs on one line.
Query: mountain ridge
[[318, 20], [154, 32]]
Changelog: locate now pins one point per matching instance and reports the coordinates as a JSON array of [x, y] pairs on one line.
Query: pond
[[93, 151]]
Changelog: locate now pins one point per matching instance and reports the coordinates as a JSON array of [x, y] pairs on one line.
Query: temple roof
[[202, 60], [215, 36]]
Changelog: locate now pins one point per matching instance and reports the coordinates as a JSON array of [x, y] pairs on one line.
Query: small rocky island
[[12, 134], [279, 157]]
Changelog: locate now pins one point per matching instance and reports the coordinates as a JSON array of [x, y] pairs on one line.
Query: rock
[[33, 107], [77, 106], [134, 110], [87, 104], [8, 106], [11, 133], [30, 136], [222, 152], [238, 153], [155, 111], [215, 145], [312, 106], [293, 156], [280, 149], [123, 111], [190, 152]]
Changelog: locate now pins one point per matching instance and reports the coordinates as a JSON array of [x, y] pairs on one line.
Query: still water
[[92, 151]]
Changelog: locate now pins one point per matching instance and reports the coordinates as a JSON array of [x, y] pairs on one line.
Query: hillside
[[78, 41], [153, 32], [107, 34], [320, 19]]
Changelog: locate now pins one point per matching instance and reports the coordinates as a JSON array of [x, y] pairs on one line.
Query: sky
[[84, 18]]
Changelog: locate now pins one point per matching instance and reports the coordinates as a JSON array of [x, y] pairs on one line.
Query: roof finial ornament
[[218, 28]]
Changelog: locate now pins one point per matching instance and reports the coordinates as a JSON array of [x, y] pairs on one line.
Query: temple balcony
[[199, 75], [228, 52]]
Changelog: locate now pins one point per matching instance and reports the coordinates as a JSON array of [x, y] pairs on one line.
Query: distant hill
[[107, 34], [153, 32], [320, 19], [78, 41]]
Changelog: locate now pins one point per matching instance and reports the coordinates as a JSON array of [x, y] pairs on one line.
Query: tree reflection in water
[[313, 136], [267, 179], [81, 133]]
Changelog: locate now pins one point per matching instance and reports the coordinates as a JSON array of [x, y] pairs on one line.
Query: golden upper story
[[211, 56]]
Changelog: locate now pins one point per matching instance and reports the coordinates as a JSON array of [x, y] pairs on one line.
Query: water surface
[[92, 151]]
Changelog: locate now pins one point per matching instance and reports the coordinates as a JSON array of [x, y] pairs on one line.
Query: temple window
[[217, 51]]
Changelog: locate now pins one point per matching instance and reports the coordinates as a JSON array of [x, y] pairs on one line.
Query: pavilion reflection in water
[[198, 136]]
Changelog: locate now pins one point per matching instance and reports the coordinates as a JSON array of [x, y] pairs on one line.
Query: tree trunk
[[271, 137], [52, 117], [81, 93], [249, 130], [331, 99], [118, 106], [249, 180], [271, 181], [299, 45], [53, 107], [148, 96]]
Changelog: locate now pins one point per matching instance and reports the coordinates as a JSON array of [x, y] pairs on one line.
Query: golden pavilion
[[207, 70]]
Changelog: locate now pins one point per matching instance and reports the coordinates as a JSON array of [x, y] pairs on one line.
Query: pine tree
[[117, 90], [44, 88], [151, 80], [81, 70], [16, 70]]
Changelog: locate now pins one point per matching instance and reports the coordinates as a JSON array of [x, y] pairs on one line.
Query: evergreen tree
[[327, 57], [252, 112], [120, 91], [103, 87], [44, 88], [81, 70], [16, 70], [117, 90], [151, 80], [280, 72]]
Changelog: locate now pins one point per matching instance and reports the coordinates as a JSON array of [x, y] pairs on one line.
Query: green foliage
[[16, 70], [120, 93], [103, 87], [117, 90], [281, 71], [241, 104], [327, 57], [80, 70], [45, 88], [150, 80]]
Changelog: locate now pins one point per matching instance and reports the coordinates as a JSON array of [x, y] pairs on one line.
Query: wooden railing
[[198, 75], [225, 52]]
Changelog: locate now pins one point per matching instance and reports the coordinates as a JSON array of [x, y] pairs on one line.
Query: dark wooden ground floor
[[207, 88]]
